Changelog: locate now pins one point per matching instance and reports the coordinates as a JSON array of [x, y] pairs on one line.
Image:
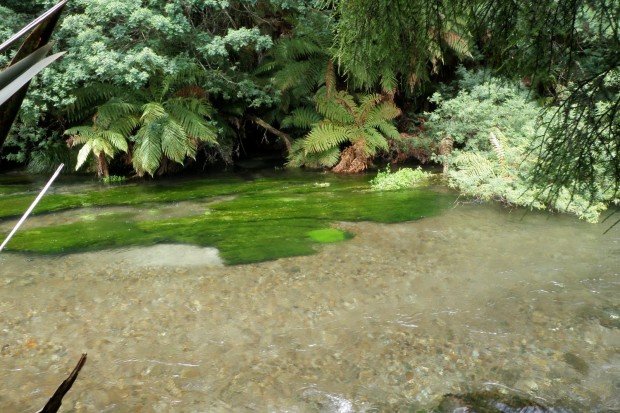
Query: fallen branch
[[284, 136], [55, 402]]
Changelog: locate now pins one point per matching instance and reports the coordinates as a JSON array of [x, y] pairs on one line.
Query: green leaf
[[326, 136], [83, 155]]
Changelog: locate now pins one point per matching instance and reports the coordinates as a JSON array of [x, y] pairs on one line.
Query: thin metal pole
[[34, 204]]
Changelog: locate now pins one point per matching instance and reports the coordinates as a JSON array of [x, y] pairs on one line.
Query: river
[[391, 318]]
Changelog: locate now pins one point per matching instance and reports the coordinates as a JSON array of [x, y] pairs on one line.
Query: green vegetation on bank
[[492, 124], [152, 88], [265, 219], [400, 179]]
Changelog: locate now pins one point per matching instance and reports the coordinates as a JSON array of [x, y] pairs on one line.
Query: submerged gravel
[[392, 319]]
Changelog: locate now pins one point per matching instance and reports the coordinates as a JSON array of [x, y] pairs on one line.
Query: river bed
[[476, 297]]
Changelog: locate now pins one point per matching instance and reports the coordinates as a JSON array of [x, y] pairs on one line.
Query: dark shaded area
[[494, 402]]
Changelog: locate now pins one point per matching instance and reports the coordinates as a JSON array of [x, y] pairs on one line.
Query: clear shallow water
[[392, 319]]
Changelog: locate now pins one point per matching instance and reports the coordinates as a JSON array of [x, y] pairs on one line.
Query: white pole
[[34, 204]]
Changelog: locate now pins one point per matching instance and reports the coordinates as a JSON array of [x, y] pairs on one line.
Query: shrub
[[401, 179], [113, 179], [494, 125]]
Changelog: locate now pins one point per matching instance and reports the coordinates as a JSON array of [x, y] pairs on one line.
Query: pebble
[[225, 338]]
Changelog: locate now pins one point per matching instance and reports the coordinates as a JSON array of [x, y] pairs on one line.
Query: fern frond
[[174, 143], [101, 144], [456, 43], [329, 157], [147, 152], [368, 103], [79, 134], [115, 139], [385, 111], [497, 147], [83, 155], [152, 112], [163, 87], [192, 118], [325, 159], [291, 74], [113, 110], [296, 155], [346, 101], [374, 142], [302, 118], [477, 166], [326, 136], [88, 98], [388, 80], [387, 129], [332, 107], [126, 125]]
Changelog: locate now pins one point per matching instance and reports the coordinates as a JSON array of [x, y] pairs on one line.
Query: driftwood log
[[55, 401]]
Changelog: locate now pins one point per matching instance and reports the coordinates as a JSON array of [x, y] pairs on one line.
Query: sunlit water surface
[[477, 297]]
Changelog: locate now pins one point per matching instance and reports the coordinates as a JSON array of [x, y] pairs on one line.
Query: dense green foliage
[[401, 179], [150, 87], [567, 51], [166, 121], [399, 42], [493, 124], [247, 221], [127, 43]]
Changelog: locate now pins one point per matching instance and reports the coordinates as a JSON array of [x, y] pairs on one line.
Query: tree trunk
[[284, 136], [353, 160], [102, 166]]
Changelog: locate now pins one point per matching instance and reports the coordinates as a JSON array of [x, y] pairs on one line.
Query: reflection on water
[[392, 319]]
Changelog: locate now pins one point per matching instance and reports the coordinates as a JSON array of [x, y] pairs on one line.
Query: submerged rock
[[607, 316], [577, 363], [493, 402], [327, 402]]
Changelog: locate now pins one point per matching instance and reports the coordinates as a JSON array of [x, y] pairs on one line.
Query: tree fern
[[364, 123], [106, 136], [167, 120]]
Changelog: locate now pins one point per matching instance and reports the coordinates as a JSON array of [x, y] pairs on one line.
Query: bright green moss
[[327, 235], [269, 218]]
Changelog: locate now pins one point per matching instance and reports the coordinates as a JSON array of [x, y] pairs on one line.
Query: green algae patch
[[328, 235], [13, 205], [268, 218]]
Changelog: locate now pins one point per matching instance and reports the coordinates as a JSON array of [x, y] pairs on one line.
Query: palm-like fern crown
[[167, 119], [340, 118], [173, 122], [111, 126]]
